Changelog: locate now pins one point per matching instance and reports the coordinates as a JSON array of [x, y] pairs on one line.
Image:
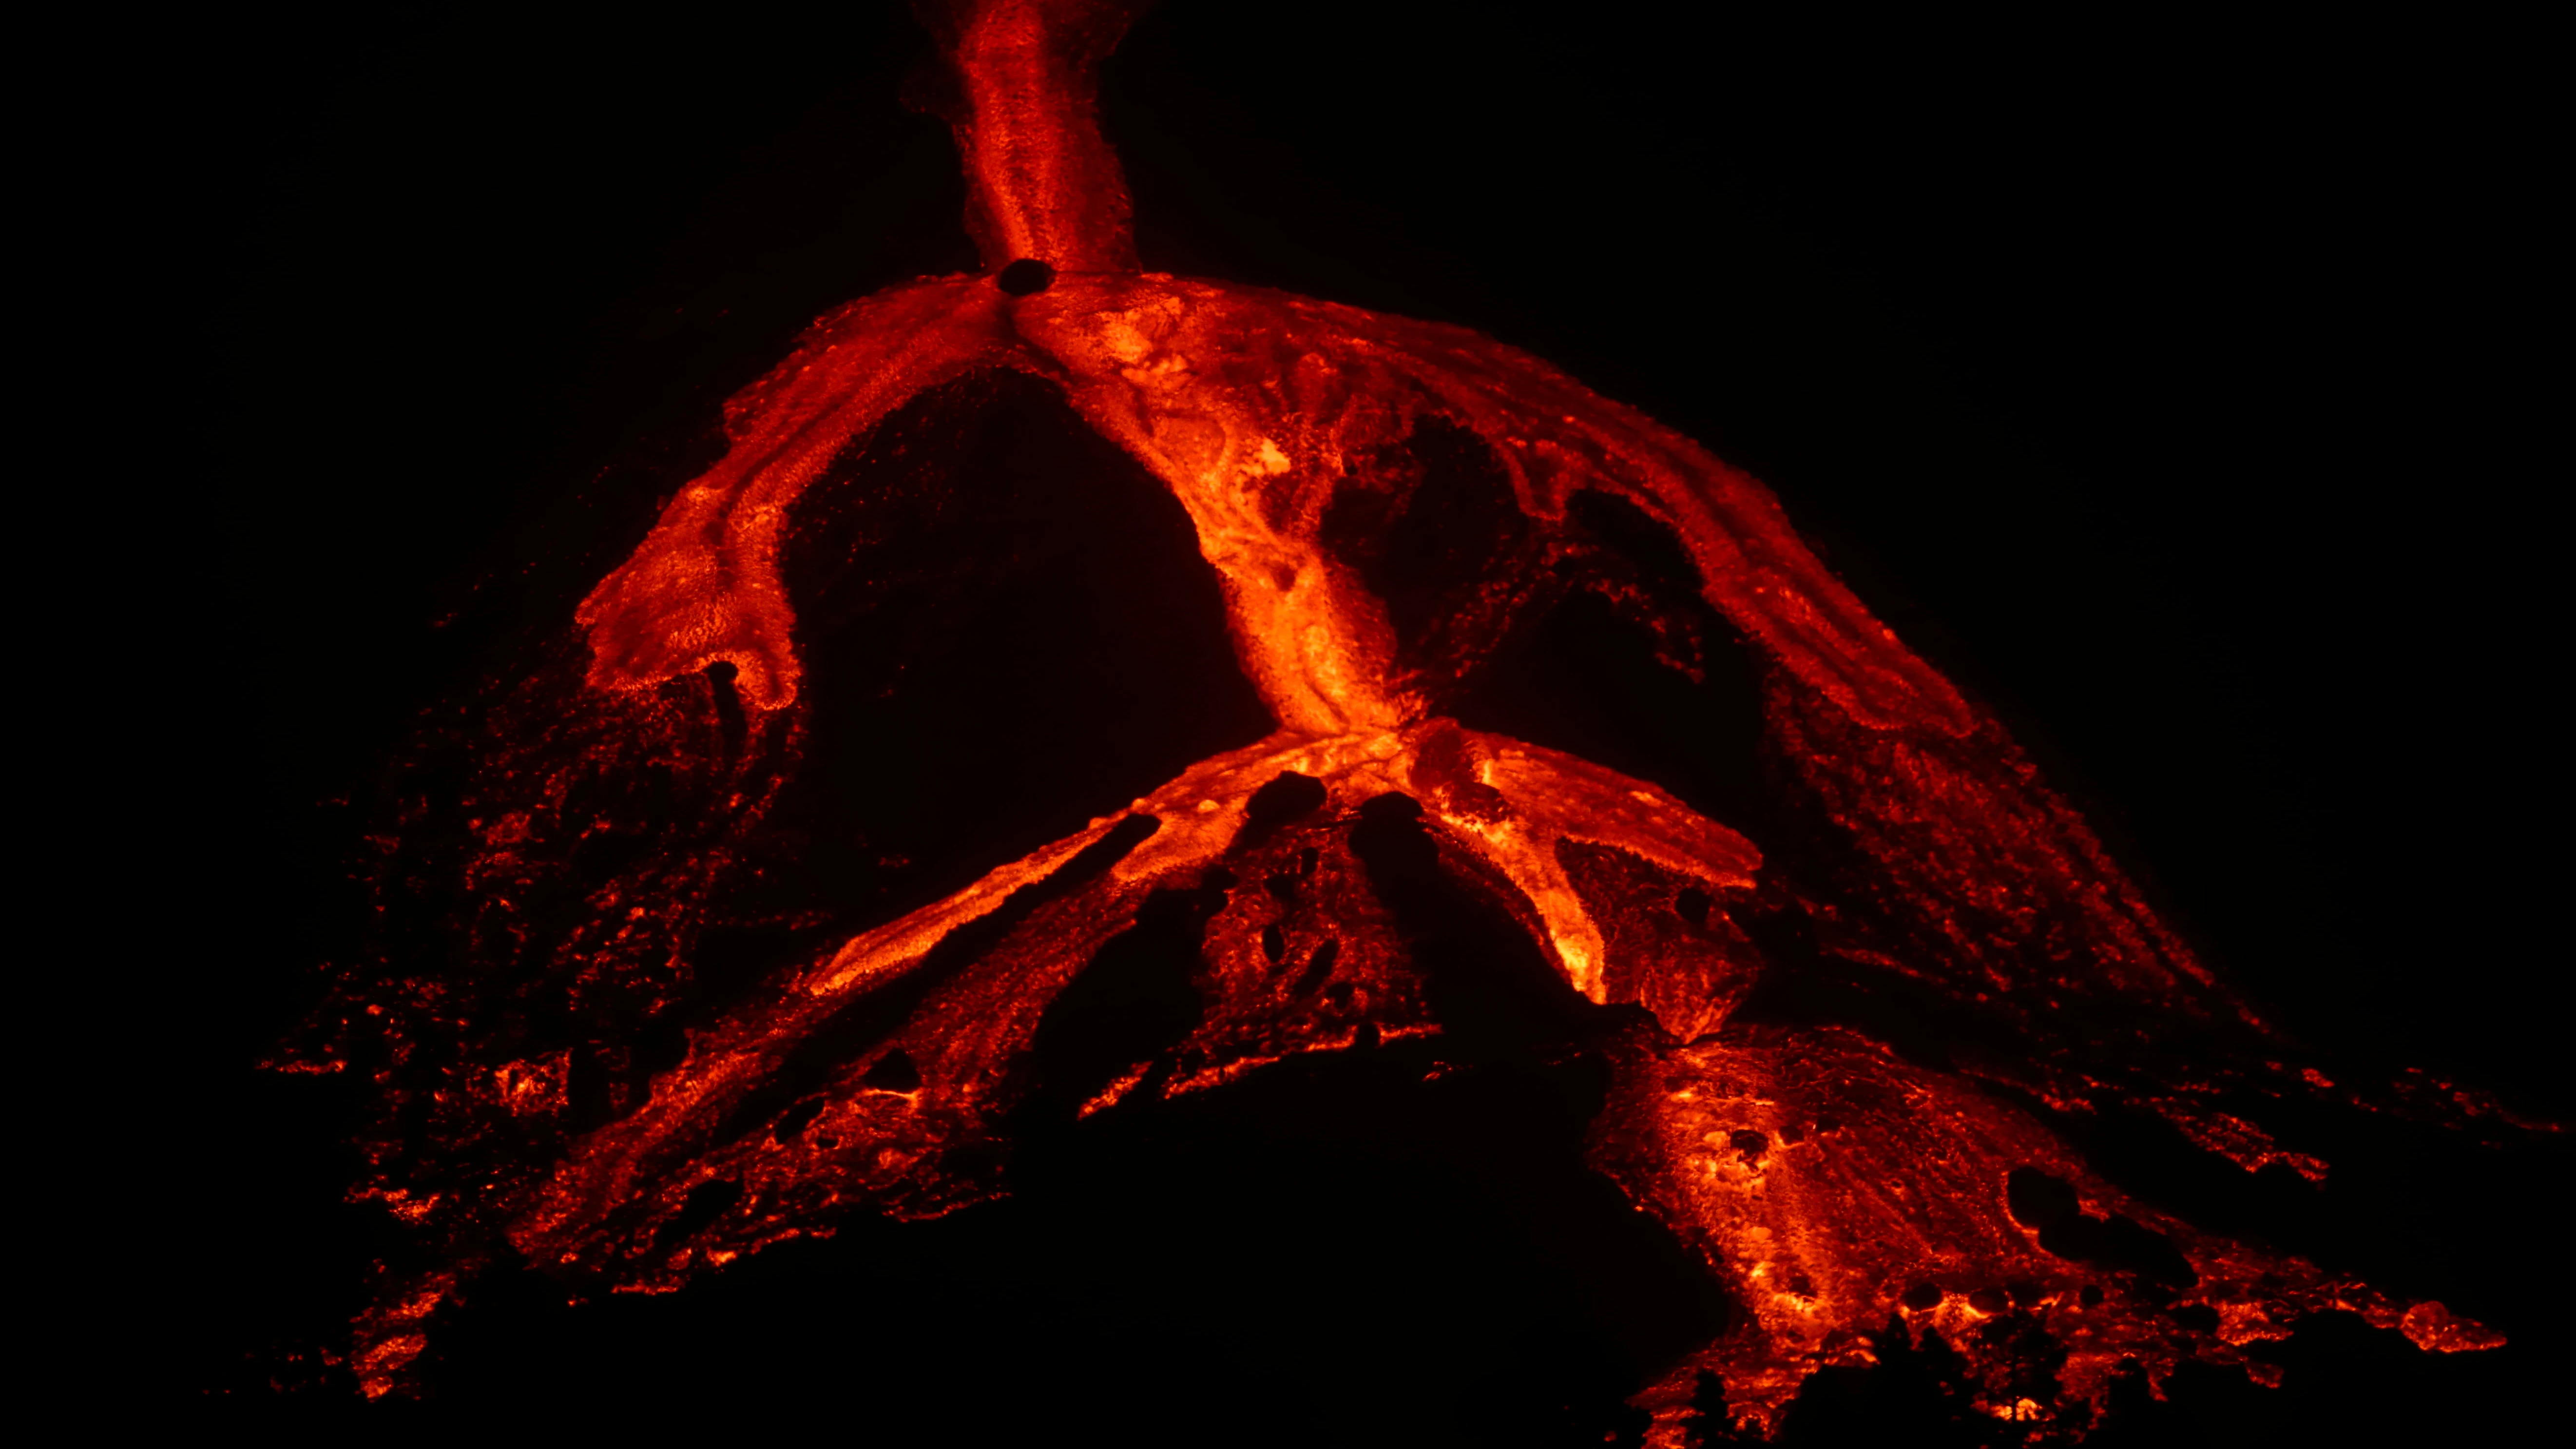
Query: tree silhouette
[[1711, 1424]]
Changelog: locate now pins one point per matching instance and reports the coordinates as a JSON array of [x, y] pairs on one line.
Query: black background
[[2174, 382]]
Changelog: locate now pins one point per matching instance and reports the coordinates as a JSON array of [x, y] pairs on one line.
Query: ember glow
[[1839, 1190]]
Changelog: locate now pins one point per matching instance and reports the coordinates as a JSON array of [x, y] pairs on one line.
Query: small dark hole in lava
[[2038, 1200], [1319, 966], [1274, 942], [1749, 1144], [793, 1122], [728, 701], [2198, 1317], [1693, 904], [705, 1203], [1922, 1296], [1989, 1300], [1026, 277], [1286, 798], [894, 1072], [2091, 1297]]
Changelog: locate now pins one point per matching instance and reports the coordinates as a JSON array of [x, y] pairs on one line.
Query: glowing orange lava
[[1829, 1184]]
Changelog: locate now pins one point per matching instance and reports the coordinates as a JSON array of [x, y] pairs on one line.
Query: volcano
[[1079, 693]]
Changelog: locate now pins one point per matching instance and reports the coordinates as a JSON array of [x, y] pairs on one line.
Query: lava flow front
[[1383, 504]]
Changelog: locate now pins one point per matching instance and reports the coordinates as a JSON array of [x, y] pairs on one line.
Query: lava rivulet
[[1838, 1190]]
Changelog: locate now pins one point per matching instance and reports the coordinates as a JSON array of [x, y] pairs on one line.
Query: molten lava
[[1839, 1191]]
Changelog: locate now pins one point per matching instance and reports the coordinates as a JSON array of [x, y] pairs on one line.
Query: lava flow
[[560, 1075]]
